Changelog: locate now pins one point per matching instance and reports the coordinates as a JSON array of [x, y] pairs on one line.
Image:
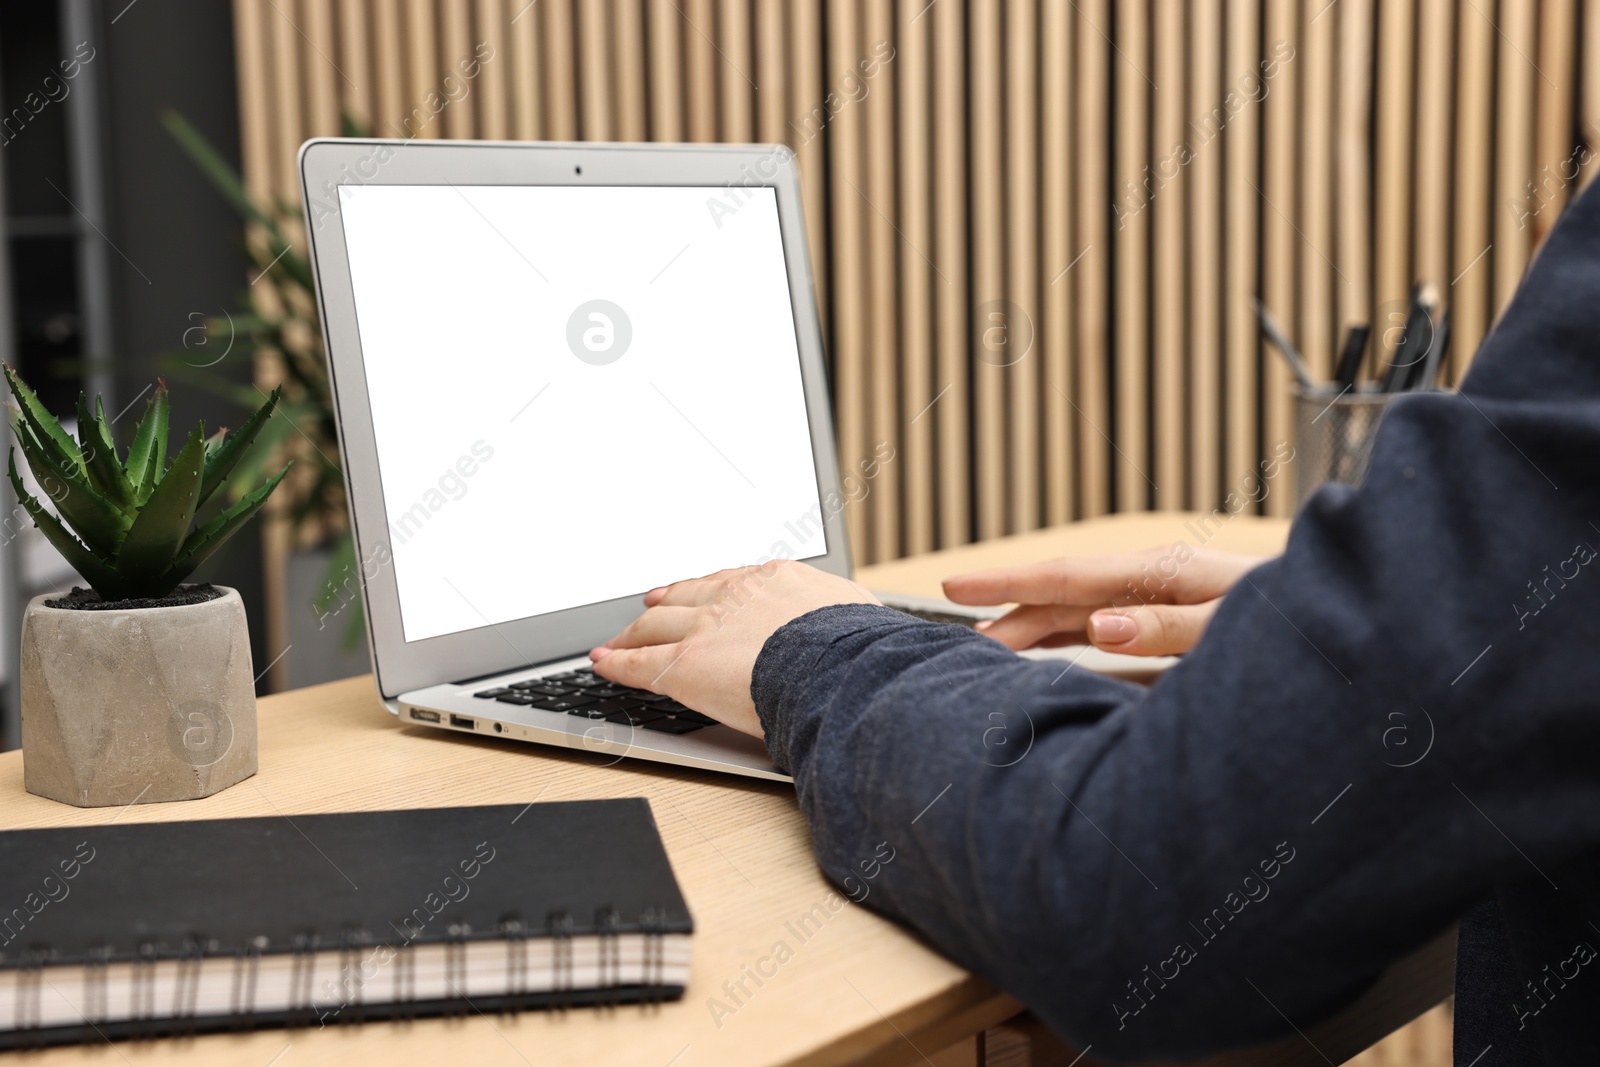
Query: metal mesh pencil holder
[[1333, 435]]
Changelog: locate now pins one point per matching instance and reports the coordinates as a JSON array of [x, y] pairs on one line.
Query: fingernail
[[597, 654], [1111, 629], [657, 591], [983, 624]]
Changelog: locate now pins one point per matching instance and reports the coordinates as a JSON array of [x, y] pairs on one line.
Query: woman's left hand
[[698, 640]]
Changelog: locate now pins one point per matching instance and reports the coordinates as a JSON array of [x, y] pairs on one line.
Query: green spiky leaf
[[100, 455], [258, 463], [217, 171], [214, 534], [220, 461], [148, 453], [214, 442], [100, 573], [127, 530], [57, 447], [157, 535], [98, 522]]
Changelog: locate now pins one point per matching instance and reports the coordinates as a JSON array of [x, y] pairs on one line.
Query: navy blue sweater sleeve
[[1378, 728]]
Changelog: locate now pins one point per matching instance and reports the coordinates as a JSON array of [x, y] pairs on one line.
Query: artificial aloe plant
[[132, 516]]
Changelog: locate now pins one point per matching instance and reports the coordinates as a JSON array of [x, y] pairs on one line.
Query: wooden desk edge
[[917, 1033]]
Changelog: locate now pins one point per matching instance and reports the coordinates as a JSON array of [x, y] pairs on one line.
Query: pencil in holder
[[1333, 433]]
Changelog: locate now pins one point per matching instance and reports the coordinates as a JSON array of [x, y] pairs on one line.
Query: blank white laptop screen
[[578, 393]]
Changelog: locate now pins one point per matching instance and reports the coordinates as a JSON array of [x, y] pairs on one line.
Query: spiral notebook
[[323, 920]]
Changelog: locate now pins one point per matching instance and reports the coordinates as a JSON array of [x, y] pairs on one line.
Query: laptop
[[565, 374]]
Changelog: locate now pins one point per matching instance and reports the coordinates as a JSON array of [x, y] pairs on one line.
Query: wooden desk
[[859, 990]]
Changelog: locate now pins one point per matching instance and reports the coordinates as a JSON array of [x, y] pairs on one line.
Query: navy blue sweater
[[1393, 725]]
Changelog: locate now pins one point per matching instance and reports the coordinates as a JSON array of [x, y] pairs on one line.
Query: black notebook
[[319, 920]]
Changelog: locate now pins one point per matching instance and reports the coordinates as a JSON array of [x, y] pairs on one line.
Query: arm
[[1376, 730], [1162, 872]]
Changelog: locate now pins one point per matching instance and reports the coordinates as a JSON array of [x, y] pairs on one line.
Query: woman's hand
[[697, 641], [1151, 603]]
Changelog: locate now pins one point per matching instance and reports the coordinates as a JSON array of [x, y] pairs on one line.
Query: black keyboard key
[[622, 704], [631, 717], [695, 716], [604, 691], [490, 694], [514, 697], [545, 689], [588, 713], [586, 681], [646, 697], [670, 725], [566, 703], [671, 707]]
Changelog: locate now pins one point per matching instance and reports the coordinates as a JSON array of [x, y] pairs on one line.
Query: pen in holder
[[1333, 434]]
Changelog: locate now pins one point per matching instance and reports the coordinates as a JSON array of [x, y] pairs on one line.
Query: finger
[[1080, 580], [1151, 630], [1027, 626], [1169, 574], [659, 625], [1064, 640], [697, 591], [686, 594], [637, 668]]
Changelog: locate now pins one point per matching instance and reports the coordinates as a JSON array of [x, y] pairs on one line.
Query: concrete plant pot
[[144, 704]]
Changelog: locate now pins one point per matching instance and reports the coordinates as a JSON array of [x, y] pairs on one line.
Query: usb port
[[463, 722], [423, 715]]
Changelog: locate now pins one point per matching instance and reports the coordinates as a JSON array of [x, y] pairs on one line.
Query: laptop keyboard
[[586, 695]]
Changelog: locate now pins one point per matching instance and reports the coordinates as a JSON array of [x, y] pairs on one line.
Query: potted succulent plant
[[139, 688]]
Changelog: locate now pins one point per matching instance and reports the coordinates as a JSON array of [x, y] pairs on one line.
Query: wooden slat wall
[[1090, 265], [1172, 329], [1133, 166], [993, 326], [1317, 277], [953, 482], [1241, 237], [919, 279], [1203, 270], [1104, 183], [1058, 183], [1282, 244]]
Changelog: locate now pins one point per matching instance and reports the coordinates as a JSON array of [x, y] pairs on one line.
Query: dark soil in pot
[[88, 600]]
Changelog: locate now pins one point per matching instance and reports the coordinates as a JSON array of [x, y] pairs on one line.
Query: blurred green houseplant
[[279, 321]]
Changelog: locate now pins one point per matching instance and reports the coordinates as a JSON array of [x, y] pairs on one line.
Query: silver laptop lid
[[564, 374]]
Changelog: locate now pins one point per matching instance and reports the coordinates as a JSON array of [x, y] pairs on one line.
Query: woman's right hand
[[1151, 603]]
